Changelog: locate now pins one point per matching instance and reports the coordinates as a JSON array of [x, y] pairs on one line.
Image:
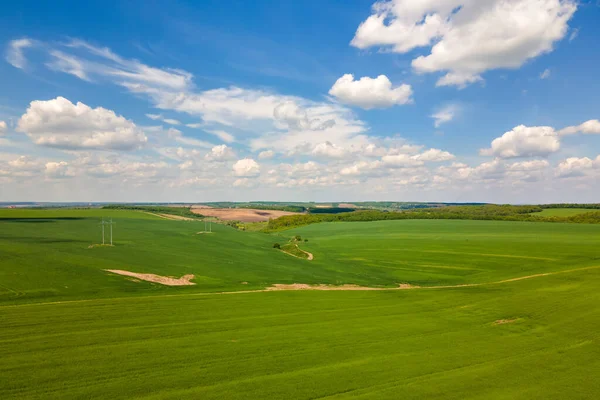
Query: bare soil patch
[[505, 321], [304, 286], [347, 205], [241, 214], [163, 280]]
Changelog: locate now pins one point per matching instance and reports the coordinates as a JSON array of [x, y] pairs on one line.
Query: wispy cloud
[[546, 74], [14, 53], [445, 114]]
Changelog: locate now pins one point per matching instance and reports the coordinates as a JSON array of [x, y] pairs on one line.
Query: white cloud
[[58, 169], [434, 155], [532, 165], [244, 183], [546, 74], [246, 167], [266, 155], [364, 168], [267, 119], [574, 167], [60, 123], [328, 150], [466, 37], [159, 117], [574, 34], [68, 64], [369, 92], [524, 141], [14, 53], [177, 135], [589, 127], [296, 118], [221, 153], [224, 136], [401, 161], [445, 114], [3, 127]]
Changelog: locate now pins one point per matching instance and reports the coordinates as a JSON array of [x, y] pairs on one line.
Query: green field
[[70, 330], [564, 212]]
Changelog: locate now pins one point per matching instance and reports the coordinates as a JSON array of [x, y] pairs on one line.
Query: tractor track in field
[[304, 287]]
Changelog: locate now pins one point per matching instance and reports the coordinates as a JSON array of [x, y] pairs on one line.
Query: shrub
[[276, 246], [298, 238]]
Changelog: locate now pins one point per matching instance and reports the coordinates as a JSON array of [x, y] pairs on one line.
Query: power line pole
[[111, 224]]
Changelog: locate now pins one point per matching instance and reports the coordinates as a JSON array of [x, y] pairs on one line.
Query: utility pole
[[111, 224]]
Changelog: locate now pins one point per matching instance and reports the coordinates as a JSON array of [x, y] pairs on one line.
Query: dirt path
[[400, 287], [170, 216], [163, 280], [309, 256]]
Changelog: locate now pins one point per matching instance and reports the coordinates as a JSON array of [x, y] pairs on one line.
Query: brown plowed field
[[241, 214]]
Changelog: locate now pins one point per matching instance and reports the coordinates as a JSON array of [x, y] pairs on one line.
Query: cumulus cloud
[[524, 141], [401, 161], [466, 37], [60, 123], [14, 53], [589, 127], [3, 127], [574, 167], [246, 167], [221, 153], [364, 168], [434, 155], [55, 169], [267, 119], [369, 92], [328, 150], [266, 155], [296, 118], [532, 165]]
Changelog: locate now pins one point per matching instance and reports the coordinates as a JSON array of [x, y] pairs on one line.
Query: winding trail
[[278, 287], [309, 256]]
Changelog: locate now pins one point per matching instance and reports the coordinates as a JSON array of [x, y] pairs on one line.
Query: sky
[[316, 100]]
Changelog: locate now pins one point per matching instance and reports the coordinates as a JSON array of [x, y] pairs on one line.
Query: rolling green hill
[[526, 328]]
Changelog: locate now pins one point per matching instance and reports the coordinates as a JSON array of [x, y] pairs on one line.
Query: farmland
[[72, 330], [563, 212]]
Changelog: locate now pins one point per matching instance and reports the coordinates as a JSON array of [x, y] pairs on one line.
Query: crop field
[[563, 212], [495, 310]]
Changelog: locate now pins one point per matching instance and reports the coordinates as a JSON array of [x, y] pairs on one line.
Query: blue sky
[[445, 100]]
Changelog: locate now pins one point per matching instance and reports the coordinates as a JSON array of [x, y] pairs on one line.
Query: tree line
[[486, 212]]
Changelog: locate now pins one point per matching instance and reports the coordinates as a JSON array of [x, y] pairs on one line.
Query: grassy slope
[[416, 344], [49, 259], [563, 212], [438, 252]]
